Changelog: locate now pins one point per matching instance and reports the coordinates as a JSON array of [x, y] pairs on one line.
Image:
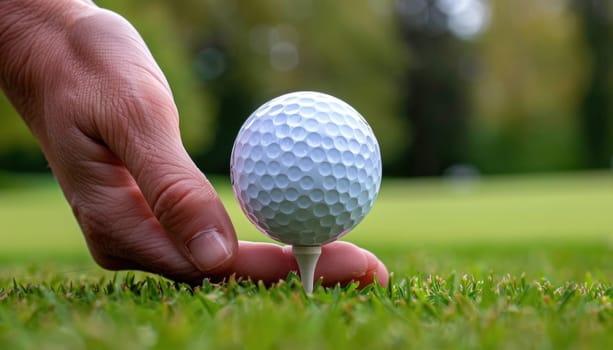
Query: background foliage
[[499, 85]]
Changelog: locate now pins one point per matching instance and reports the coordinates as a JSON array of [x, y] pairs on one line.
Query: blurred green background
[[449, 86], [495, 119]]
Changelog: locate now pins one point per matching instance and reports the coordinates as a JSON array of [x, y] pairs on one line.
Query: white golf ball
[[306, 168]]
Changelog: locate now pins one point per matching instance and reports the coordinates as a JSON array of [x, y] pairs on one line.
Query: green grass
[[420, 312], [505, 263]]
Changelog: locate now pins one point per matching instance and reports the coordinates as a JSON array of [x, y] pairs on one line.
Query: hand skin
[[89, 89]]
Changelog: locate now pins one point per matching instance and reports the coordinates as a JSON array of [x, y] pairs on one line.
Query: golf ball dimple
[[305, 168]]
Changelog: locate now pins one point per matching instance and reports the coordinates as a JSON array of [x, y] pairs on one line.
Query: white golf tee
[[307, 257]]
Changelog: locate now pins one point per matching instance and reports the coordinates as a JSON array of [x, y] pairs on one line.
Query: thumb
[[179, 195]]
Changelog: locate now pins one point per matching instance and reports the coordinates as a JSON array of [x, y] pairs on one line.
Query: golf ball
[[305, 168]]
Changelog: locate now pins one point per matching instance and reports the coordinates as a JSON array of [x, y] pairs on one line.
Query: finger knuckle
[[176, 195]]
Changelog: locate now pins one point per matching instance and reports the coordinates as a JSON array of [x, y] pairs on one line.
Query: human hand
[[102, 110]]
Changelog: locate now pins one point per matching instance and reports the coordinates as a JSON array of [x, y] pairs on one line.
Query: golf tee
[[307, 257]]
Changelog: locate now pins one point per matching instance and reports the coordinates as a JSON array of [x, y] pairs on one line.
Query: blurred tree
[[527, 92], [436, 86], [250, 52], [596, 110]]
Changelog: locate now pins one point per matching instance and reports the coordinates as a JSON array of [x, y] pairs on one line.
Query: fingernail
[[209, 250]]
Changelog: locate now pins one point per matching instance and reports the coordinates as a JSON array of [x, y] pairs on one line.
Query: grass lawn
[[502, 263]]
